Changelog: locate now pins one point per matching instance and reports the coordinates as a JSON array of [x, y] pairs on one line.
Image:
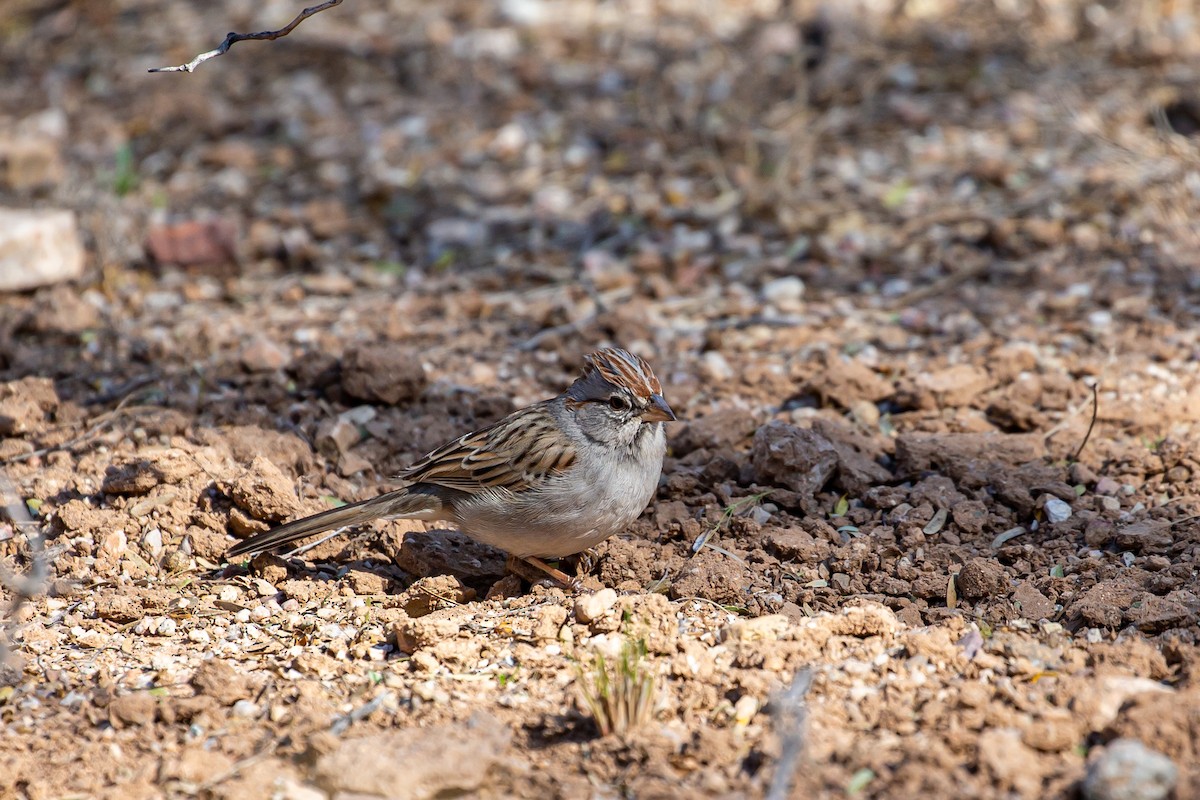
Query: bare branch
[[233, 38]]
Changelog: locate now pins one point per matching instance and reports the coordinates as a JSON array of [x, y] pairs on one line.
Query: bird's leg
[[585, 562], [532, 569]]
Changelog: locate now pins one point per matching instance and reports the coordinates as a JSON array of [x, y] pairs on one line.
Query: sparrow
[[548, 481]]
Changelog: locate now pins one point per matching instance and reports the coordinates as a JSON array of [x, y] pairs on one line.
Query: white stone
[[785, 289], [38, 247], [1057, 510]]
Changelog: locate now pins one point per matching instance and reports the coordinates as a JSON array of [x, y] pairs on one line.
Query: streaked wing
[[516, 453]]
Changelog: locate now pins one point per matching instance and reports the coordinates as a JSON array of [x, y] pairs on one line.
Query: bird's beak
[[658, 411]]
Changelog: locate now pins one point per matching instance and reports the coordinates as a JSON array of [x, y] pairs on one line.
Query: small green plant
[[125, 177], [620, 695]]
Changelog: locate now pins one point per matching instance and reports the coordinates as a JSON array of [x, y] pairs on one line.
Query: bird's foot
[[534, 569]]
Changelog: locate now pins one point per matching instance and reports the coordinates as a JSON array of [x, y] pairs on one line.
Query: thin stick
[[1092, 424], [790, 716], [233, 38], [102, 422]]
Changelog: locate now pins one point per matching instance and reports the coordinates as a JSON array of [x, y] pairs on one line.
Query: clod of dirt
[[285, 450], [1034, 605], [414, 634], [24, 404], [1128, 770], [958, 453], [1102, 605], [713, 576], [152, 469], [434, 592], [795, 458], [136, 708], [263, 491], [955, 386], [418, 763], [1145, 536], [722, 431], [858, 471], [382, 373], [221, 681], [981, 579], [1011, 763], [439, 552], [61, 310], [261, 354]]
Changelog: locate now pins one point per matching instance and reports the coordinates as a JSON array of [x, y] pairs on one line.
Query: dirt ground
[[879, 255]]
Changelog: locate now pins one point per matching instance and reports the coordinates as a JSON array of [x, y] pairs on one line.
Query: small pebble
[[153, 541], [1057, 510], [1128, 770], [246, 709], [591, 607], [781, 290]]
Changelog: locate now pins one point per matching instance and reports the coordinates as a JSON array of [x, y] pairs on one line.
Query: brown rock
[[442, 552], [221, 681], [211, 244], [285, 450], [970, 516], [263, 355], [981, 579], [954, 386], [1054, 731], [847, 381], [263, 491], [25, 403], [1145, 536], [448, 760], [1011, 764], [858, 469], [153, 468], [1154, 614], [382, 373], [960, 453], [793, 544], [136, 708], [1102, 605], [61, 310], [795, 458], [412, 635], [1034, 605], [722, 431]]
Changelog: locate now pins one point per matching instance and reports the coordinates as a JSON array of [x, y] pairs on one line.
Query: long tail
[[407, 502]]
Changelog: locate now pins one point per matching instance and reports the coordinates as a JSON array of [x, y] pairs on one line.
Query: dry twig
[[233, 38], [791, 712], [1092, 424]]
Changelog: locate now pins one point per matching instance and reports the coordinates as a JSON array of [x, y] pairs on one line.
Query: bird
[[548, 481]]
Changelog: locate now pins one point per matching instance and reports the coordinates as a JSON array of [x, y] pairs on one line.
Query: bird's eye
[[618, 403]]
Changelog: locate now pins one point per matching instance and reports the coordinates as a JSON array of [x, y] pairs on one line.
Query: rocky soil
[[919, 279]]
